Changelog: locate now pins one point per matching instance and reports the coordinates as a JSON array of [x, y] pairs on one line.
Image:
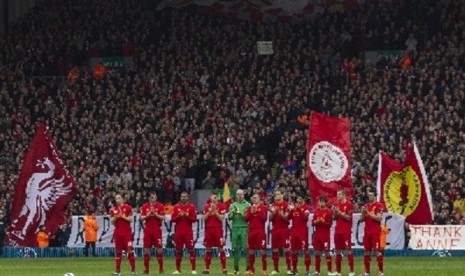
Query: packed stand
[[197, 107]]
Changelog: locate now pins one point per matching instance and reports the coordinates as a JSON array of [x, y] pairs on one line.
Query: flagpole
[[425, 179], [378, 182]]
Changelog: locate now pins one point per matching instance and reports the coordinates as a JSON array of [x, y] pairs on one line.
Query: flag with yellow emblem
[[226, 195], [404, 188]]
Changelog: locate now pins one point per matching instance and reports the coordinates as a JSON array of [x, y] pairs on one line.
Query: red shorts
[[182, 239], [299, 241], [371, 242], [343, 241], [256, 239], [213, 237], [280, 238], [321, 243], [123, 241], [153, 238]]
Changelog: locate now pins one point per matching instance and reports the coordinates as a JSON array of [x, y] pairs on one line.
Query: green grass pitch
[[81, 266]]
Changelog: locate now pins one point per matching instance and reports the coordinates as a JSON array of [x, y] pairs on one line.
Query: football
[[69, 274]]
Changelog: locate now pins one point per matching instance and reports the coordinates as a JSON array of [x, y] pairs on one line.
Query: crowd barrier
[[58, 252], [394, 222]]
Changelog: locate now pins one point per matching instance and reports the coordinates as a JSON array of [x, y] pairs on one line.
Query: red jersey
[[343, 225], [322, 220], [256, 220], [212, 220], [299, 217], [184, 222], [152, 222], [278, 221], [122, 225], [373, 226]]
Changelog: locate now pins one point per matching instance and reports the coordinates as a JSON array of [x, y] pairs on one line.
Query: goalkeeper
[[239, 228]]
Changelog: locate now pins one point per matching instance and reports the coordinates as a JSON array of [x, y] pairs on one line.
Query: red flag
[[328, 157], [43, 189], [389, 170], [404, 188]]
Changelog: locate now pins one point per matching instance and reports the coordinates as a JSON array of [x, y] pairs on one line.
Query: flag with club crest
[[328, 157]]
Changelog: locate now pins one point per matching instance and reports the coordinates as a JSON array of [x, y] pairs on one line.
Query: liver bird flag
[[404, 188], [43, 189]]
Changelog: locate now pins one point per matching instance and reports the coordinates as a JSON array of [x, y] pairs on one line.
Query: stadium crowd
[[196, 106]]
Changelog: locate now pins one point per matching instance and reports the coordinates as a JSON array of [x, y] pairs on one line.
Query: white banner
[[437, 237], [265, 47], [395, 239]]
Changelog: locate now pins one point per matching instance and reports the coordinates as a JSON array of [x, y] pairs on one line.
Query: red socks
[[147, 262], [287, 254], [380, 263], [338, 263], [132, 261], [350, 256], [294, 261], [118, 257], [178, 260], [275, 257], [208, 259], [264, 264], [223, 260], [160, 262], [317, 263], [329, 262], [307, 261], [192, 259], [252, 262], [366, 262], [179, 257]]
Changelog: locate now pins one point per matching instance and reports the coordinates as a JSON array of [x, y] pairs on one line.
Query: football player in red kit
[[372, 213], [299, 233], [322, 220], [214, 213], [184, 215], [256, 216], [121, 217], [152, 214], [279, 211], [343, 211]]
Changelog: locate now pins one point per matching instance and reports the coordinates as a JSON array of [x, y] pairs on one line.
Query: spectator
[[209, 181], [383, 237], [61, 236], [91, 227], [191, 171], [411, 43], [169, 188], [43, 237], [241, 174], [168, 207]]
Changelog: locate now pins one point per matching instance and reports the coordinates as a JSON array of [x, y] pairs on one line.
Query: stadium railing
[[56, 252]]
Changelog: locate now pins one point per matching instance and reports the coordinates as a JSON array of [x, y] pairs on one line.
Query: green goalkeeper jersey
[[236, 214]]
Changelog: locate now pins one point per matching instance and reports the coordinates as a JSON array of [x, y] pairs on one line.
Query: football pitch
[[81, 266]]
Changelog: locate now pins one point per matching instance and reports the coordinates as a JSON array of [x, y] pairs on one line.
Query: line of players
[[248, 232]]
